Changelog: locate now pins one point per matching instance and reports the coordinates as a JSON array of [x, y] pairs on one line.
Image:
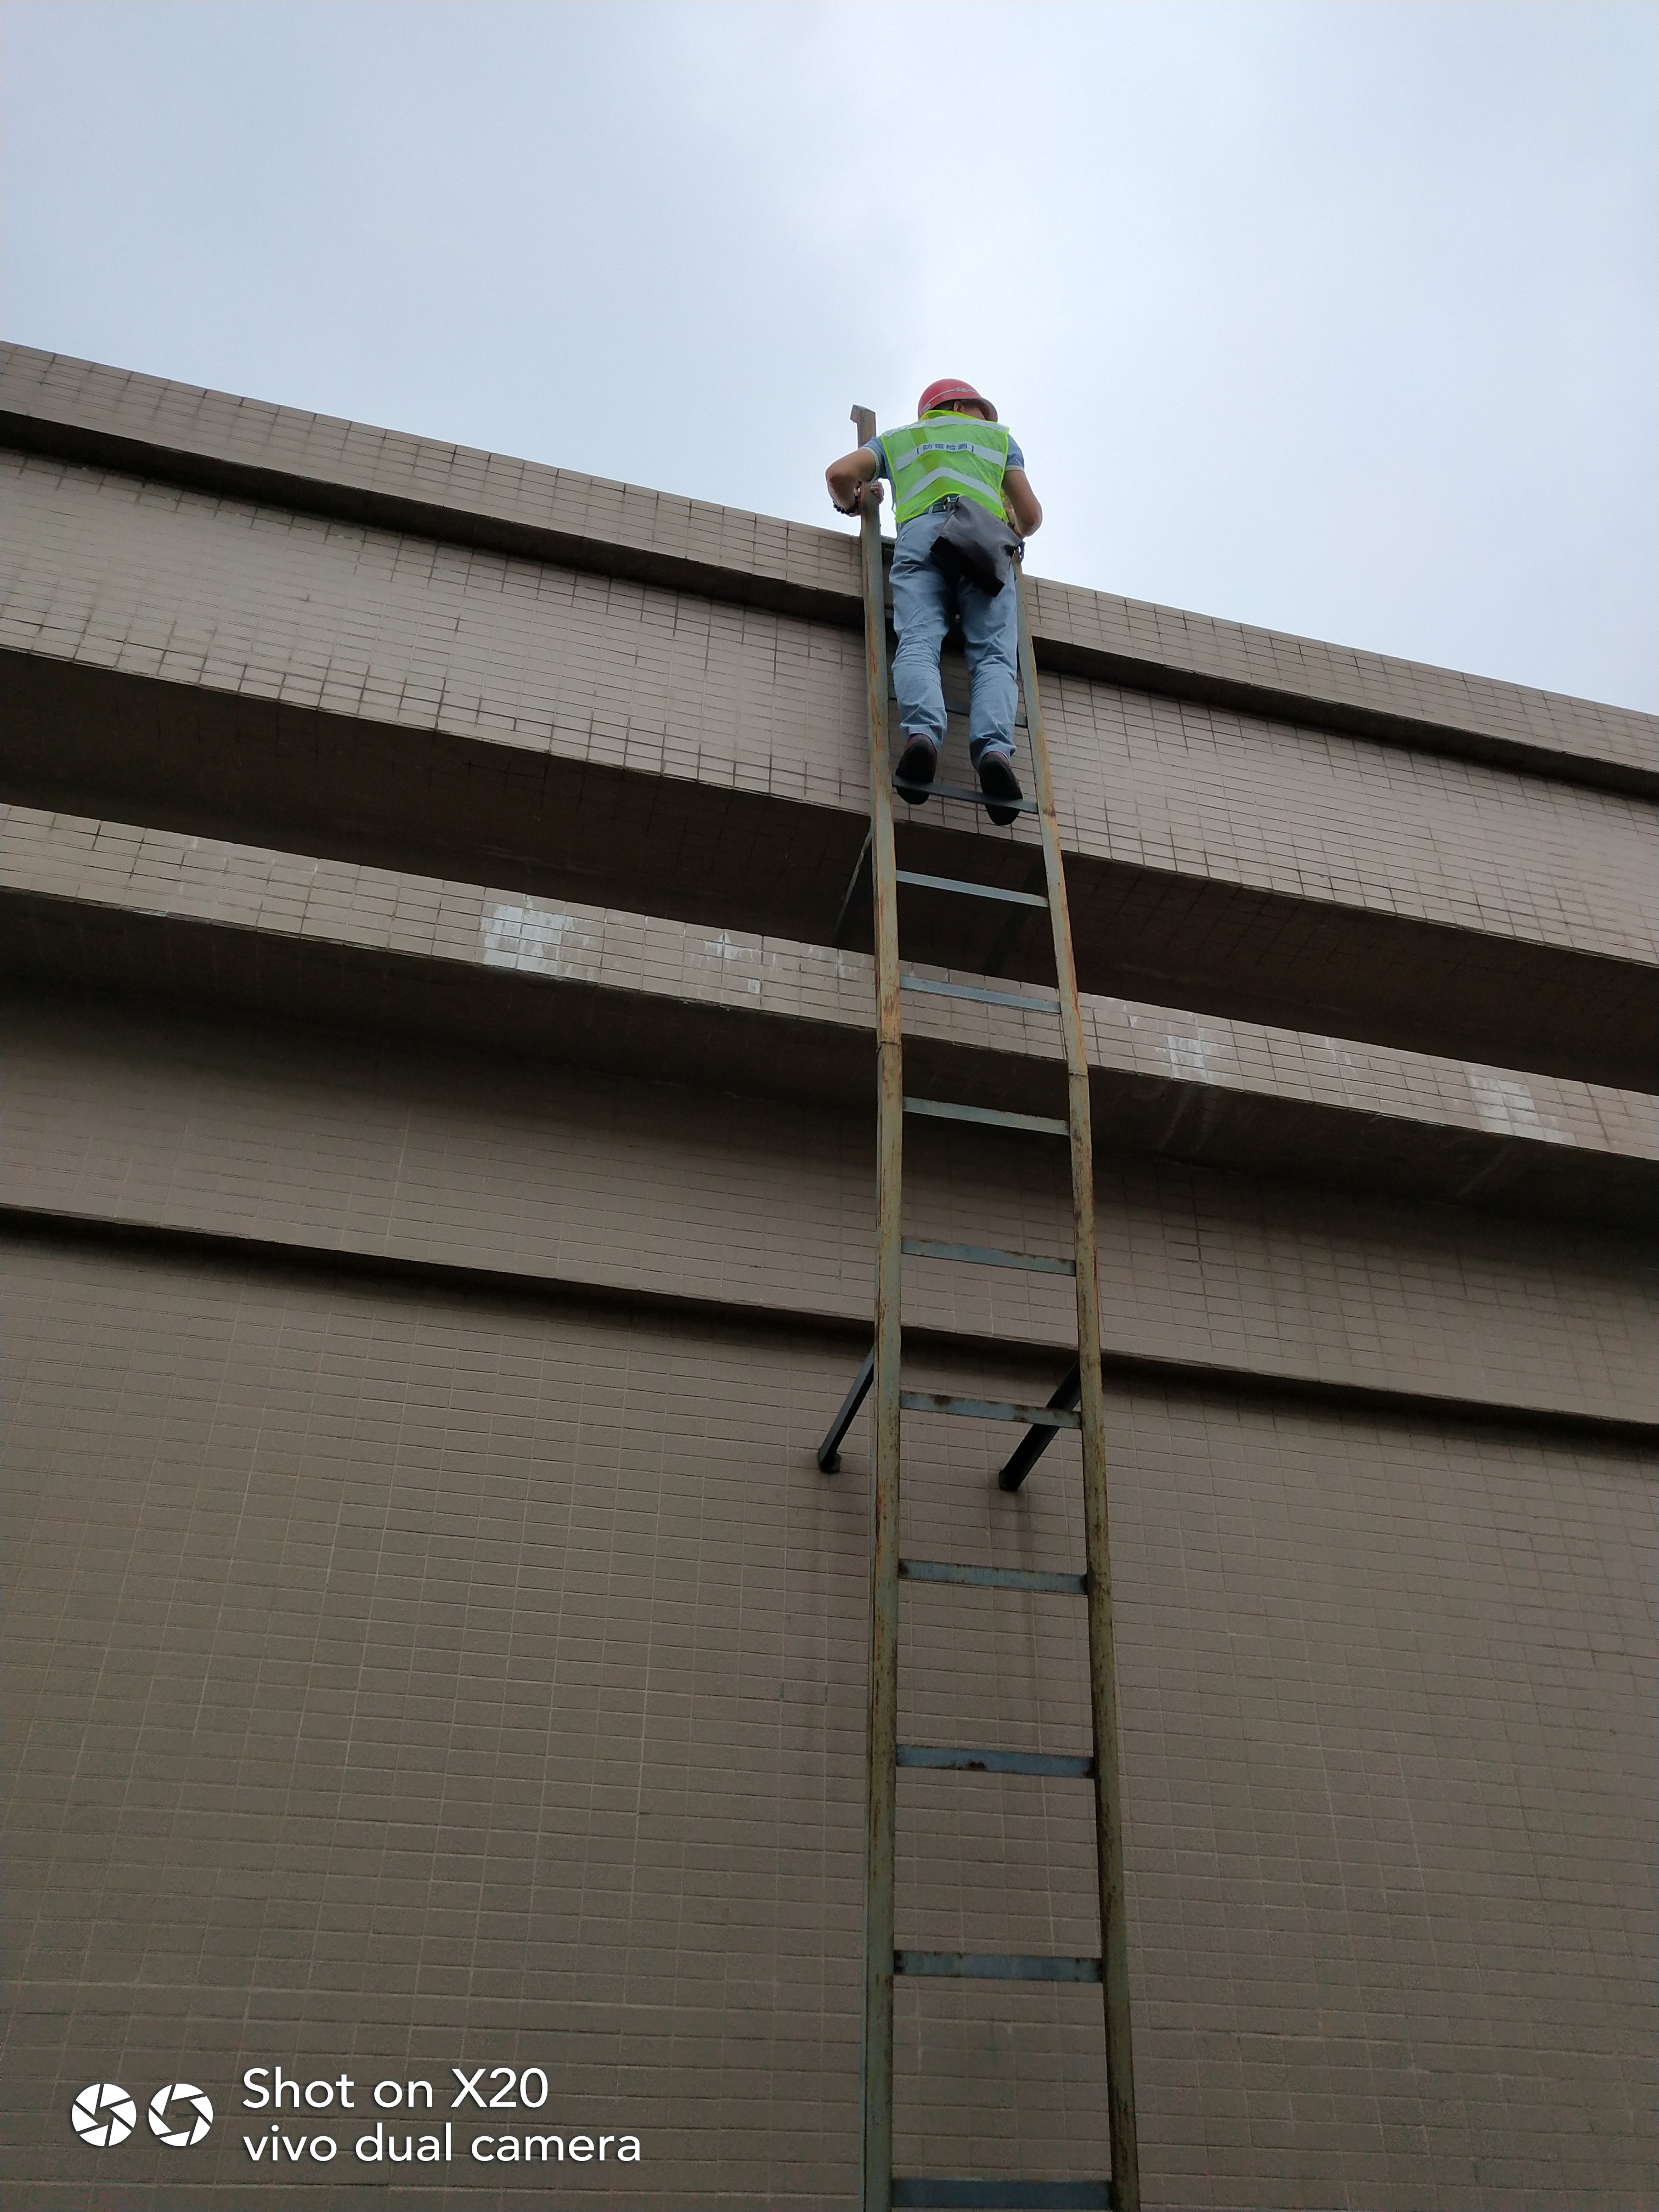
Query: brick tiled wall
[[153, 581], [458, 1682], [180, 419], [761, 1205], [439, 1229], [199, 879]]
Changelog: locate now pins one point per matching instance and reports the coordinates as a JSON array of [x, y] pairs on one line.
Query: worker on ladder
[[959, 484]]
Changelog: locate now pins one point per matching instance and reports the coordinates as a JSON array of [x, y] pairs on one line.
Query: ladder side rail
[[882, 1739], [1103, 1670]]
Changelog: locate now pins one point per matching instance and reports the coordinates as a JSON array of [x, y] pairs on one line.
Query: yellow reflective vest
[[944, 453]]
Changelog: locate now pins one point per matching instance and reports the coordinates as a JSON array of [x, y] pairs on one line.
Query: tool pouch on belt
[[974, 546]]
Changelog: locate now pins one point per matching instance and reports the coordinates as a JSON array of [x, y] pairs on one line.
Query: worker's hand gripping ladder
[[1077, 1403]]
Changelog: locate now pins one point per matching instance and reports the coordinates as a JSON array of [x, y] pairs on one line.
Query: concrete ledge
[[717, 848], [296, 1256], [106, 417], [109, 908]]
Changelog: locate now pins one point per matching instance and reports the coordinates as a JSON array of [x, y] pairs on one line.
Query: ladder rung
[[919, 2193], [1062, 1768], [973, 991], [956, 790], [988, 1409], [1019, 1579], [995, 1966], [989, 1117], [968, 890], [985, 1255]]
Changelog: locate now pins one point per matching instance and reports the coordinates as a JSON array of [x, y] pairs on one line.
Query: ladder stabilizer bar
[[857, 884], [829, 1449], [1030, 1450]]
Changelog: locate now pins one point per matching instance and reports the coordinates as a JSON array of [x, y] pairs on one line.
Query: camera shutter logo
[[180, 2114], [103, 2114]]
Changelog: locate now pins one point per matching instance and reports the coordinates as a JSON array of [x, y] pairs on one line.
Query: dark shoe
[[913, 779], [999, 782]]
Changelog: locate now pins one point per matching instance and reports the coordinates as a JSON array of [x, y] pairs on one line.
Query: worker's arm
[[848, 477], [1022, 501]]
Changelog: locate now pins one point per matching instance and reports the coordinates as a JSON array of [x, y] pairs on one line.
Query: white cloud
[[1341, 318]]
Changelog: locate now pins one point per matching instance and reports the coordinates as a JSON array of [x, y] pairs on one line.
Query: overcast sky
[[1336, 317]]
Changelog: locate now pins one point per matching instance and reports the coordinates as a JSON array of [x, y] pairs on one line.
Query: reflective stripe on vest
[[944, 453]]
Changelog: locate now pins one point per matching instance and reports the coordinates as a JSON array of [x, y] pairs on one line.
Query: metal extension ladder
[[1076, 1404]]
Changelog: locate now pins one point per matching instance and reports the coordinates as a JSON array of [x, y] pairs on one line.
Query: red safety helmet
[[949, 388]]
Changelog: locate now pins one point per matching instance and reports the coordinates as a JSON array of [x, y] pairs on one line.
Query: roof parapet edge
[[135, 428]]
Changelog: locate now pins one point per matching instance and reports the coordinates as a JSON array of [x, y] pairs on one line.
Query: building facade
[[440, 1227]]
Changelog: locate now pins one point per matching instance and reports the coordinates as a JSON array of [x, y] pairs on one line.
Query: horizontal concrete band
[[240, 671], [103, 418], [777, 857], [109, 906], [38, 1226]]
